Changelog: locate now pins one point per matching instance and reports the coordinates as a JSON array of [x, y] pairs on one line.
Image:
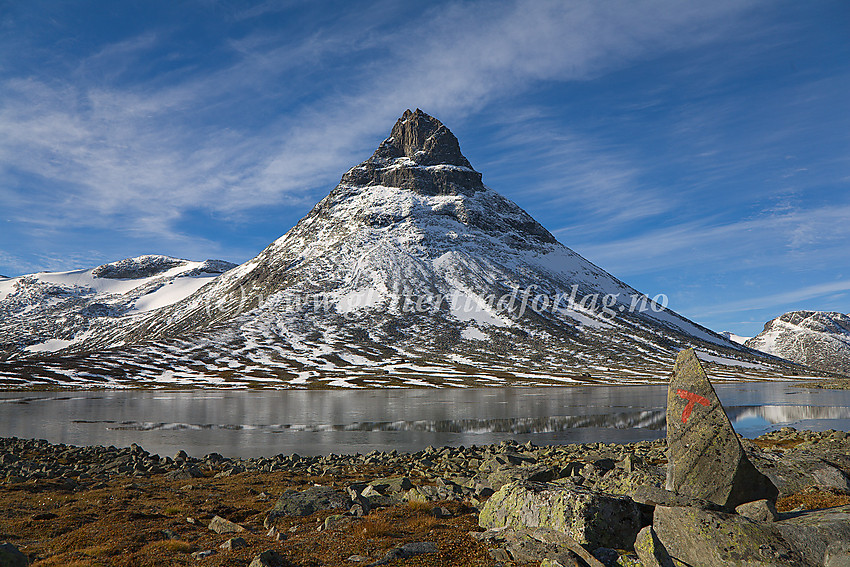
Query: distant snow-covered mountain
[[820, 339], [50, 311], [411, 272]]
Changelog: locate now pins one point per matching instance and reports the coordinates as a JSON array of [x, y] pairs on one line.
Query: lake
[[242, 423]]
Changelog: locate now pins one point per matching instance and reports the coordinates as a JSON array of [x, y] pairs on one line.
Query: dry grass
[[378, 527], [415, 507], [169, 546], [121, 525], [812, 499]]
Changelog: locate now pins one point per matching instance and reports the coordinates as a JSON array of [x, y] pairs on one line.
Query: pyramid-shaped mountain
[[410, 272]]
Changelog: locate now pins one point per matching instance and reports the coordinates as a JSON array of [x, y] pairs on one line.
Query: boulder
[[269, 558], [798, 470], [293, 503], [818, 534], [760, 511], [527, 545], [506, 474], [650, 550], [717, 539], [705, 457], [655, 496], [591, 518], [221, 526], [708, 538], [392, 485], [234, 543]]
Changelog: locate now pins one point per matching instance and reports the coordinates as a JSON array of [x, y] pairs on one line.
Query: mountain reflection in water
[[251, 423]]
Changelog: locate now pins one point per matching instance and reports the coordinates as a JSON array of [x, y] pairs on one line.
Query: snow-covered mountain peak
[[419, 188], [820, 339], [411, 272]]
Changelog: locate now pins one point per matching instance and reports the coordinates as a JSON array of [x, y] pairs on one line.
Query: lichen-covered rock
[[506, 474], [392, 485], [819, 534], [760, 511], [222, 526], [591, 518], [655, 496], [650, 550], [705, 457], [294, 503], [716, 539], [528, 545]]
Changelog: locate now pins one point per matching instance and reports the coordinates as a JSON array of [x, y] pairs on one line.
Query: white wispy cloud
[[815, 238], [140, 154]]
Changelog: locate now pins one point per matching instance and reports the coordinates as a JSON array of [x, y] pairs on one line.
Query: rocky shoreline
[[702, 497], [449, 486]]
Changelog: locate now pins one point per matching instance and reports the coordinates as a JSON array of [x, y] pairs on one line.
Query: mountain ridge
[[819, 339], [410, 272]]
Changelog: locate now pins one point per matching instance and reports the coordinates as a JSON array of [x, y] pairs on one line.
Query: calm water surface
[[254, 423]]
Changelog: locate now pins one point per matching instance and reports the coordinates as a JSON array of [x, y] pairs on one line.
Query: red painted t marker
[[692, 399]]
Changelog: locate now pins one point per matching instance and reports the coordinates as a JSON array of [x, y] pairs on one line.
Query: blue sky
[[696, 149]]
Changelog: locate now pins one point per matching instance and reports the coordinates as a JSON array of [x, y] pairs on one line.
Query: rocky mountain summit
[[411, 272], [820, 339]]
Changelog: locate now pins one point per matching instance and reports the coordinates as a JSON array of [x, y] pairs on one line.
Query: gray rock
[[378, 499], [650, 550], [799, 469], [275, 534], [760, 511], [837, 555], [393, 485], [293, 503], [268, 558], [407, 550], [829, 476], [817, 533], [185, 473], [10, 556], [234, 543], [706, 460], [221, 526], [656, 496], [591, 518], [441, 512], [336, 520], [506, 474], [716, 539], [527, 545], [203, 554]]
